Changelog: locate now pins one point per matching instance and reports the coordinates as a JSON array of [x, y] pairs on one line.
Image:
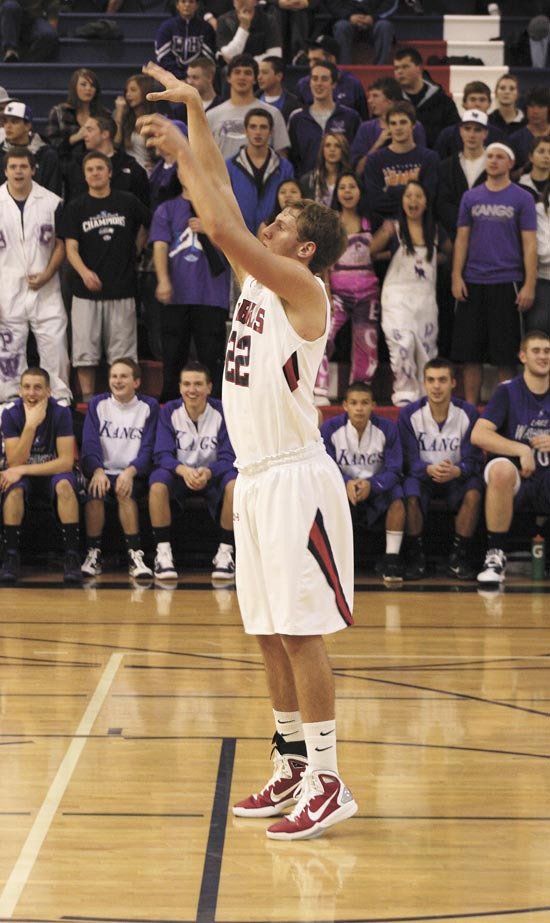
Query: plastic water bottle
[[538, 558]]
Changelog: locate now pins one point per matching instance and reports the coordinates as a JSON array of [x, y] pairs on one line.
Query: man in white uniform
[[30, 294], [294, 573]]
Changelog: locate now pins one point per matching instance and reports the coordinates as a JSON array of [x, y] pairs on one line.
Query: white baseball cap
[[476, 116], [19, 111]]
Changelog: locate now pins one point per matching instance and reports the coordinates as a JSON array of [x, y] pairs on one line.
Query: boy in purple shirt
[[440, 462], [388, 170], [374, 133], [367, 450], [494, 271], [193, 286], [515, 429], [39, 456], [193, 456]]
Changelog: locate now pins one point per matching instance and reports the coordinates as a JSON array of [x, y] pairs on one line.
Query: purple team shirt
[[519, 414], [190, 275], [496, 220]]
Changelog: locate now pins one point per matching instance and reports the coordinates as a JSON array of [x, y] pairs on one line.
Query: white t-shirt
[[227, 126], [472, 168]]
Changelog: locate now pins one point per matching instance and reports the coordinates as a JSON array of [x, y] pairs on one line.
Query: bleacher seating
[[439, 35], [453, 35]]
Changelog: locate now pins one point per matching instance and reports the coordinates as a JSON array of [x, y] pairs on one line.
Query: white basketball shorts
[[294, 543]]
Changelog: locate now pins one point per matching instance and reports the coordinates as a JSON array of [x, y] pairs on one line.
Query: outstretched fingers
[[177, 91], [152, 69]]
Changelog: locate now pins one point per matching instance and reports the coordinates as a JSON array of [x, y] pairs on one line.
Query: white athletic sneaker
[[223, 563], [93, 565], [279, 792], [136, 565], [164, 563], [494, 568], [324, 800]]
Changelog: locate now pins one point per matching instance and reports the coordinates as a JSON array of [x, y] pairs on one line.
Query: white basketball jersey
[[268, 379]]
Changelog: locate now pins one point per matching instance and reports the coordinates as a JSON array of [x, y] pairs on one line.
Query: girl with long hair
[[128, 108], [536, 173], [332, 160], [287, 192], [353, 287], [409, 305], [65, 130]]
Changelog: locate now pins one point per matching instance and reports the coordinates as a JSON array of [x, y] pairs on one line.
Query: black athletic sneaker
[[458, 566], [392, 570], [415, 567], [71, 568], [9, 572]]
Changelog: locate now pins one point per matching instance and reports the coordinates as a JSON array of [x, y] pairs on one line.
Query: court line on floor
[[210, 884], [375, 586], [443, 692], [23, 867]]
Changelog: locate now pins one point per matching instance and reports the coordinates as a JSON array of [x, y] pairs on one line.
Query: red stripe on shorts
[[319, 546]]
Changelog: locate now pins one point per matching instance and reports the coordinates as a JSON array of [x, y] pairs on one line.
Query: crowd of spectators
[[91, 218]]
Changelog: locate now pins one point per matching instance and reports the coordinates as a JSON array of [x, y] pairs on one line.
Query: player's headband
[[498, 145]]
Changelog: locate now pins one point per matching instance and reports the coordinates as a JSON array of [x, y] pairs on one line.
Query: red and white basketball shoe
[[324, 801], [281, 790]]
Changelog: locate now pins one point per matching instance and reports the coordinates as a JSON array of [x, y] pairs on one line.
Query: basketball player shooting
[[293, 528]]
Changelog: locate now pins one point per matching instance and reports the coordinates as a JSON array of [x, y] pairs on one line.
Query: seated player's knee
[[64, 490], [502, 475], [471, 499], [14, 498], [158, 491]]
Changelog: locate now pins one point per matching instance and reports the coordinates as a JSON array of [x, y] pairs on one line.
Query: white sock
[[393, 542], [320, 738], [289, 725]]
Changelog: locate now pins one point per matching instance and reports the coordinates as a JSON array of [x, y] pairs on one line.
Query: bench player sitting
[[117, 456], [442, 463], [367, 449], [40, 452], [193, 456], [515, 429]]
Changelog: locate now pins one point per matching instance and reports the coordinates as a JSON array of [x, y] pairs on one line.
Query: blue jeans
[[40, 38], [381, 34]]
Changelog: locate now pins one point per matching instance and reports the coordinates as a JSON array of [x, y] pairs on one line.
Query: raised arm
[[202, 170]]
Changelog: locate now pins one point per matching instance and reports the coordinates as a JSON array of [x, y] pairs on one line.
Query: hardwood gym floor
[[131, 718]]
